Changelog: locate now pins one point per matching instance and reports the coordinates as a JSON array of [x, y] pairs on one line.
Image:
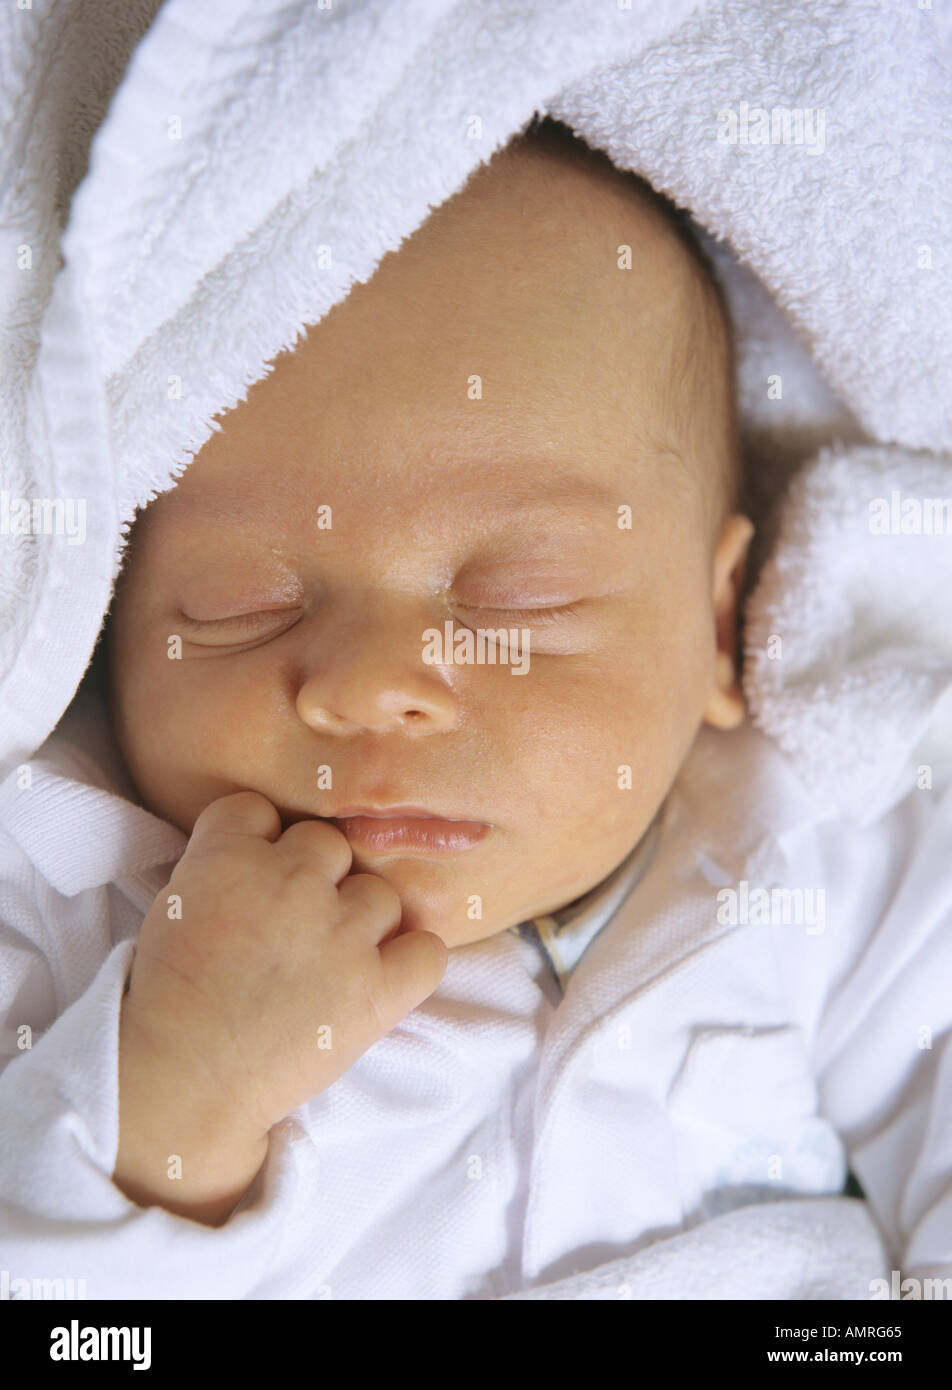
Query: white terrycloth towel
[[260, 156], [811, 1248], [848, 634], [250, 160]]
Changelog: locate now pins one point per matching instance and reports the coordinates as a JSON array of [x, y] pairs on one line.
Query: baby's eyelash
[[530, 615], [513, 616], [240, 620]]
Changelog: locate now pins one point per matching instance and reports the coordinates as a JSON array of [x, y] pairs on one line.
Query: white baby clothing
[[506, 1135]]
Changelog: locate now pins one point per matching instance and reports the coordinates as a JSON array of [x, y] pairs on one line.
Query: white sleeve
[[61, 1216], [884, 1048]]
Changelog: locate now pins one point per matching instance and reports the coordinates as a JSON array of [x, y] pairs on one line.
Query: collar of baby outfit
[[74, 793], [563, 937]]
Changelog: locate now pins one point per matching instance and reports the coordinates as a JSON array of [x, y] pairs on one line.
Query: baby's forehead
[[549, 233], [525, 494], [536, 507], [551, 177], [517, 334]]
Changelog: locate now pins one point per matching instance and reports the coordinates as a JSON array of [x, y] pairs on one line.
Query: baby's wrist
[[176, 1149], [170, 1076], [201, 1185]]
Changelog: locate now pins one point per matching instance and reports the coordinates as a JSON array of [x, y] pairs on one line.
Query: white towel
[[810, 1248], [253, 159], [261, 156], [848, 635]]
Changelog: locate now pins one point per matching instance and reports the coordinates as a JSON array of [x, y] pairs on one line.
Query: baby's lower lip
[[397, 834]]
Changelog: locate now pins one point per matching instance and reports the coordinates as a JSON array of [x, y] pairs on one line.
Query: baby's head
[[507, 427]]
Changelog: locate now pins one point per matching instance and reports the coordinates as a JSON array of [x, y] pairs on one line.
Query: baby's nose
[[364, 670]]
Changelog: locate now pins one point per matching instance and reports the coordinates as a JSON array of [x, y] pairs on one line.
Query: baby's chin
[[440, 894], [463, 899]]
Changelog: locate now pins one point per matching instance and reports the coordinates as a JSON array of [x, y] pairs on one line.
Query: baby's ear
[[725, 709]]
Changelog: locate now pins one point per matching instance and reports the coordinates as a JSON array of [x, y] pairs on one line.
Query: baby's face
[[366, 492]]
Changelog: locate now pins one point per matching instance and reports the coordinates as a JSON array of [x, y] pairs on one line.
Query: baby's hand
[[282, 970]]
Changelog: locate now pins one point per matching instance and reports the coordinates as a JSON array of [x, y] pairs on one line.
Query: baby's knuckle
[[319, 844], [369, 895], [245, 811]]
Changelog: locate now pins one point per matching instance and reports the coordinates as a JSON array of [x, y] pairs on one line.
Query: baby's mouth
[[390, 831], [402, 830]]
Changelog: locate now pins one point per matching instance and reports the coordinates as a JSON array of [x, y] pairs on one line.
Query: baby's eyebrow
[[563, 505], [550, 508], [560, 507], [558, 491]]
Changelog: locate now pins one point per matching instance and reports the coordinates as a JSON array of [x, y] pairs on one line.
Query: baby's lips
[[401, 834]]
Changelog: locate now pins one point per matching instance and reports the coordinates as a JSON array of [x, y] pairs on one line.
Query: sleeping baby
[[429, 664], [511, 427]]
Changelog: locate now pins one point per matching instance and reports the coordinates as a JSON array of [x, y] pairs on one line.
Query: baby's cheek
[[172, 743], [587, 768], [633, 741]]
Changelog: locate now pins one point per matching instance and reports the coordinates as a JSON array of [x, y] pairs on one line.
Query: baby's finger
[[240, 813], [414, 964], [370, 904], [319, 844]]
